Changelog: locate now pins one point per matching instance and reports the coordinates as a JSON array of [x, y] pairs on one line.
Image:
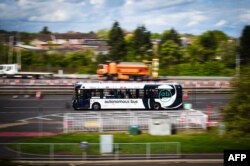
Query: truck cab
[[8, 69], [102, 69]]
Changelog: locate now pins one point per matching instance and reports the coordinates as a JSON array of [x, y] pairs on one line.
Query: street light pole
[[237, 60], [237, 64]]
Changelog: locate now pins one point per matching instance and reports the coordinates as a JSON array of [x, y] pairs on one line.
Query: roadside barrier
[[38, 95], [185, 95], [121, 121], [62, 82], [73, 151]]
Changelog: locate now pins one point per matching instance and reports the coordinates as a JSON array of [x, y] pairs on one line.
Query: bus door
[[149, 96], [83, 98]]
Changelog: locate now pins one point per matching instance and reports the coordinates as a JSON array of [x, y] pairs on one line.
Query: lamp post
[[237, 59]]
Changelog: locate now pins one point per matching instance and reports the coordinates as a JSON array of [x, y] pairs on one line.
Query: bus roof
[[122, 85]]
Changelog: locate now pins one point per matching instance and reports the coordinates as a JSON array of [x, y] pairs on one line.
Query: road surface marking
[[12, 124], [42, 118], [36, 117], [25, 134]]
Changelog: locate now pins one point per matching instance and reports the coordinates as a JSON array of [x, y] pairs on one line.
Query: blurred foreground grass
[[204, 142]]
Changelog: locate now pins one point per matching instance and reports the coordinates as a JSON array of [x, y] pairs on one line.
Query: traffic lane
[[47, 100], [63, 102], [69, 97], [215, 104], [39, 126], [11, 104], [12, 110], [19, 115], [202, 101]]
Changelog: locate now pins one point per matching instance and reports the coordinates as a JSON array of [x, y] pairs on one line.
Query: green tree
[[237, 113], [103, 34], [171, 35], [209, 41], [141, 42], [226, 53], [90, 55], [170, 53], [27, 57], [193, 53], [76, 59], [155, 36], [3, 53], [45, 30], [245, 46], [116, 42], [131, 55]]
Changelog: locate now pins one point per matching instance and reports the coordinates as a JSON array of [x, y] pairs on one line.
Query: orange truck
[[128, 71]]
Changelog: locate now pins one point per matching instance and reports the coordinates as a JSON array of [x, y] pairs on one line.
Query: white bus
[[124, 95]]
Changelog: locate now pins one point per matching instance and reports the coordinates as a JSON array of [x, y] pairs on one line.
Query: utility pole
[[18, 58], [237, 59], [10, 55]]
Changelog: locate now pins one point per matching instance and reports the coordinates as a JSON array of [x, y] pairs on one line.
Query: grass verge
[[207, 142]]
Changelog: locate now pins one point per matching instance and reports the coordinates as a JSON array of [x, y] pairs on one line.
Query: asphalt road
[[22, 115], [26, 116]]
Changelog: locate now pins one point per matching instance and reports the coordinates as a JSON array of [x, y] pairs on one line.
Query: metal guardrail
[[65, 86], [95, 77], [196, 78], [64, 82], [87, 76], [68, 90], [73, 151]]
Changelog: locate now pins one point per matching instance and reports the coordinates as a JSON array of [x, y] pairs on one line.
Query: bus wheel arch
[[76, 108], [75, 105], [156, 106], [96, 106]]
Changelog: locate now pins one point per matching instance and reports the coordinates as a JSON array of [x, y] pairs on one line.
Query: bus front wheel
[[96, 106], [156, 106], [75, 105]]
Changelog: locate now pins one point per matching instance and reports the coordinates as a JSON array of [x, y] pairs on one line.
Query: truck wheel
[[156, 106], [96, 106], [139, 78], [105, 78]]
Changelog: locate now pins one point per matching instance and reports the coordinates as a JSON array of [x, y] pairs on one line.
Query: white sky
[[186, 16]]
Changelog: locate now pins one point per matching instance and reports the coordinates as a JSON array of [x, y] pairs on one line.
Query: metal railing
[[70, 82], [72, 151], [104, 121]]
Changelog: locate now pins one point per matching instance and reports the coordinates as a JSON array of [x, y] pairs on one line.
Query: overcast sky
[[186, 16]]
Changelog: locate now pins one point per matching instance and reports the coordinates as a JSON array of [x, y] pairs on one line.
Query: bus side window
[[146, 93], [155, 93], [105, 93], [120, 94], [101, 93], [133, 93], [137, 93], [128, 94]]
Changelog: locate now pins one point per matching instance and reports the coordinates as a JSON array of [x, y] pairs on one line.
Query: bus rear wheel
[[96, 106], [156, 106]]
